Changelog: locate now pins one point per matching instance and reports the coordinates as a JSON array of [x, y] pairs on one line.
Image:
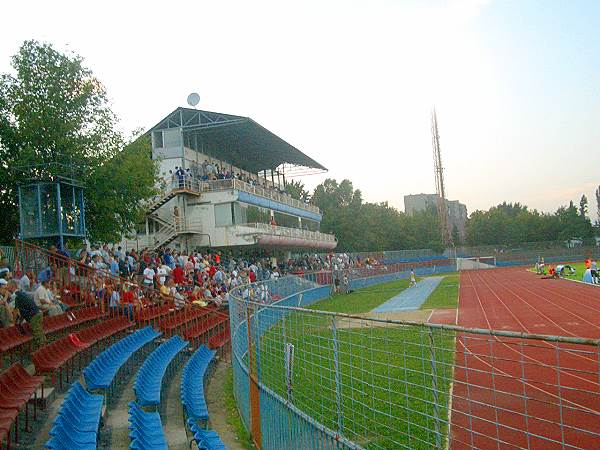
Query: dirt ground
[[216, 405]]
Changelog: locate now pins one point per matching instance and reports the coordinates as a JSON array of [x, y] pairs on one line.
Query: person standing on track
[[594, 272], [413, 280]]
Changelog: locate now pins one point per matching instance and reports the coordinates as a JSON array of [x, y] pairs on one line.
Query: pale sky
[[516, 84]]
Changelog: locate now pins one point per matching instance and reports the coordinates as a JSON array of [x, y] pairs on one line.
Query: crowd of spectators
[[209, 171], [126, 279], [27, 299]]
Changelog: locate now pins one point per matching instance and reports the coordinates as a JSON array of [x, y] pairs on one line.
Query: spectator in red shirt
[[178, 274]]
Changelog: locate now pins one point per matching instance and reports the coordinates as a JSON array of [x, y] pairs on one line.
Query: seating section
[[207, 325], [104, 330], [192, 384], [76, 425], [221, 339], [62, 321], [146, 431], [206, 439], [13, 337], [17, 387], [148, 383], [99, 374], [151, 313], [182, 318], [52, 357]]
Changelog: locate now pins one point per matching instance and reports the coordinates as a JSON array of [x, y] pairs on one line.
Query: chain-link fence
[[308, 379]]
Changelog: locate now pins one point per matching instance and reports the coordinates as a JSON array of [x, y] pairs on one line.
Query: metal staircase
[[165, 235], [168, 231], [189, 186]]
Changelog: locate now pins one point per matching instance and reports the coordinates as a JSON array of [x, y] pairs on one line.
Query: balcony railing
[[264, 228], [194, 185]]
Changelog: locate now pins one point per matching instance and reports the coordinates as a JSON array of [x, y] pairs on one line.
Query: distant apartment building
[[457, 212]]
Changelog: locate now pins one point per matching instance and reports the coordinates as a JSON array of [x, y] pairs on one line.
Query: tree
[[53, 113], [363, 226], [296, 189], [456, 236], [513, 223], [583, 206], [115, 189]]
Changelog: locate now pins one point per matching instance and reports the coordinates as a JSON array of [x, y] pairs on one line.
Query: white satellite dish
[[193, 99]]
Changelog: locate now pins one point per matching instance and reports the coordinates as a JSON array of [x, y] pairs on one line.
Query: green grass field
[[386, 373], [579, 270], [362, 300], [445, 295]]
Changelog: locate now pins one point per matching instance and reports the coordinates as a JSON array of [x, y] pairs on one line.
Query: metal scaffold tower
[[440, 189]]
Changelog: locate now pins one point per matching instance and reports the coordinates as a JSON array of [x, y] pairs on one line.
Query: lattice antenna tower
[[440, 189]]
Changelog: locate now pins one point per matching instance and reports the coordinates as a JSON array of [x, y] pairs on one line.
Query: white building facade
[[222, 186]]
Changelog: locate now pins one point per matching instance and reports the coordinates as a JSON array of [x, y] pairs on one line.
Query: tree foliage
[[55, 113], [367, 226], [378, 226], [297, 190], [583, 206], [597, 194], [513, 223]]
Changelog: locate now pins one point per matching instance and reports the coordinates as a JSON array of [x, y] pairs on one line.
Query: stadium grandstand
[[101, 344], [222, 185]]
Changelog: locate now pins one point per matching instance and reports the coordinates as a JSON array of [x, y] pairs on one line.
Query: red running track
[[521, 393]]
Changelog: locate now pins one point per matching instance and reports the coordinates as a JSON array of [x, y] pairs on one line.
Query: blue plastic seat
[[78, 420], [146, 430], [206, 439], [148, 382], [100, 373], [192, 385]]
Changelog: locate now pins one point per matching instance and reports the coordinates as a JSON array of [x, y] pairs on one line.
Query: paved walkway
[[410, 298]]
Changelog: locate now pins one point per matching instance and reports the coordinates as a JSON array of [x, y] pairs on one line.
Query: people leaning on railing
[[122, 281], [191, 179]]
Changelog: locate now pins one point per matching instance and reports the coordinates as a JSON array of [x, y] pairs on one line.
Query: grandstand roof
[[235, 139]]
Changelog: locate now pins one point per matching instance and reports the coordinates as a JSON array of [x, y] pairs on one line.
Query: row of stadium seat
[[205, 439], [149, 379], [54, 356], [221, 339], [151, 314], [100, 373], [146, 431], [17, 388], [182, 318], [196, 332], [193, 400], [13, 337], [192, 384], [77, 423]]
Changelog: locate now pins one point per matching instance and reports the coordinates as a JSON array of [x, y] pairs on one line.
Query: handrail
[[188, 183], [290, 232], [84, 276]]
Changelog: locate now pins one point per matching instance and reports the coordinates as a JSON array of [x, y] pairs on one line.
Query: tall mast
[[440, 189]]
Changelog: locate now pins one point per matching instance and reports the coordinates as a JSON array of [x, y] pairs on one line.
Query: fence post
[[338, 384], [254, 389], [436, 415]]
